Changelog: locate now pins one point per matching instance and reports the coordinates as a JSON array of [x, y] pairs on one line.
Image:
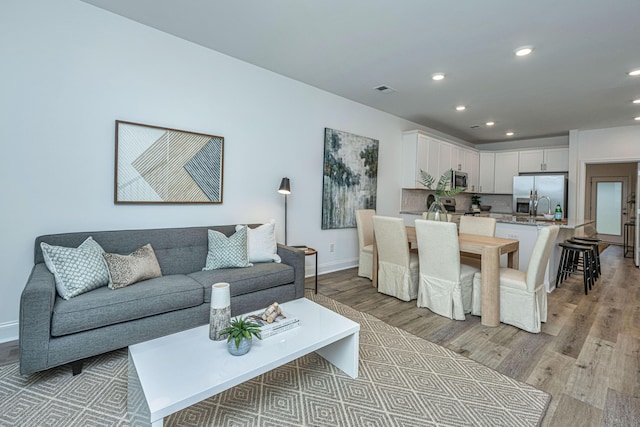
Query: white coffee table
[[179, 370]]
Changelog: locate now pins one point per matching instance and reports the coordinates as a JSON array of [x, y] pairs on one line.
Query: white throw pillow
[[261, 243]]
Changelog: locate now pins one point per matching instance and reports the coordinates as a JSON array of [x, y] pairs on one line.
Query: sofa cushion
[[103, 306], [246, 280], [225, 252], [125, 270], [261, 242], [76, 270]]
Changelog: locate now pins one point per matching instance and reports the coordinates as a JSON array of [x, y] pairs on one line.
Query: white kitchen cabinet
[[458, 158], [472, 168], [544, 160], [506, 167], [486, 175], [419, 152], [444, 162], [415, 156], [556, 159]]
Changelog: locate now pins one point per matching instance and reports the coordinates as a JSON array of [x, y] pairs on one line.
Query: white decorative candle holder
[[220, 314]]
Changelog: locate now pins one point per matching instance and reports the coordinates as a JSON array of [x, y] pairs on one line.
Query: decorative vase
[[243, 347], [437, 211], [220, 312]]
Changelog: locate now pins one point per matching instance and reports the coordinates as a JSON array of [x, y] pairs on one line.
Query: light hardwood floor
[[587, 355]]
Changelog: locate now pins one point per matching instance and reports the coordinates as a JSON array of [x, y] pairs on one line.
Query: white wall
[[69, 70], [611, 145]]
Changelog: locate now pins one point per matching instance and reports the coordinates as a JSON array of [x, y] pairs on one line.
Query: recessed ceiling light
[[490, 123], [636, 101], [636, 118], [635, 72], [523, 51], [509, 133], [437, 76], [461, 108]]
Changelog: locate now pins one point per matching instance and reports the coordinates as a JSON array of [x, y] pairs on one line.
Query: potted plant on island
[[475, 201], [437, 211], [241, 331]]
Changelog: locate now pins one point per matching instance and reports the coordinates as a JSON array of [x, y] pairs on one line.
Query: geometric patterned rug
[[403, 381]]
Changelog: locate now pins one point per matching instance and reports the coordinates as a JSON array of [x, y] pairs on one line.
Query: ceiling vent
[[474, 127], [384, 89]]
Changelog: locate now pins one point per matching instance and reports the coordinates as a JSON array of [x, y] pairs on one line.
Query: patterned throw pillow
[[261, 243], [125, 270], [226, 252], [76, 270]]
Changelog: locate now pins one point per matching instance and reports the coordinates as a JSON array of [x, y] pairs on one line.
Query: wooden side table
[[308, 252]]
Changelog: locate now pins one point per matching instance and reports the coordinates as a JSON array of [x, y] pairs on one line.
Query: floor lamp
[[285, 188]]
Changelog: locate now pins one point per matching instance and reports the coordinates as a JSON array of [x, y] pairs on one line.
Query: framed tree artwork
[[350, 177], [159, 165]]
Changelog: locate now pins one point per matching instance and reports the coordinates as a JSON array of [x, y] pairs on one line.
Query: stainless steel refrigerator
[[528, 188]]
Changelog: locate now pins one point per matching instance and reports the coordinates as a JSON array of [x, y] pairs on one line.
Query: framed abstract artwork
[[350, 177], [161, 165]]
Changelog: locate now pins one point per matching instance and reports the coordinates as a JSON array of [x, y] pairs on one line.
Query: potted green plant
[[475, 201], [437, 210], [241, 332]]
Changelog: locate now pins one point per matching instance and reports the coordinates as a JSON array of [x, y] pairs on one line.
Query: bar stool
[[570, 261], [595, 269], [596, 243]]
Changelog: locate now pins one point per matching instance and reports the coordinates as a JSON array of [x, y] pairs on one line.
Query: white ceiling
[[575, 79]]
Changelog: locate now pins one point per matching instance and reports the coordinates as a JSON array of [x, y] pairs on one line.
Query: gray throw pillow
[[76, 270], [125, 270], [226, 252]]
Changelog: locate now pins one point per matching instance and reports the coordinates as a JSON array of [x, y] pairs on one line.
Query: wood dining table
[[489, 249]]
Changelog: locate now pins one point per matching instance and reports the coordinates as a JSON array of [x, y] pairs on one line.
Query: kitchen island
[[526, 231]]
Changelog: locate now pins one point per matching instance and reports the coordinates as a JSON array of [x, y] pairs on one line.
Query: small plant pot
[[243, 347]]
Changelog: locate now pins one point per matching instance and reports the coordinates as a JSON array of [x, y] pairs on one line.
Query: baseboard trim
[[8, 332], [330, 267]]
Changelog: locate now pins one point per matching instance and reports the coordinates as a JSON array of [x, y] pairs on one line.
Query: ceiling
[[576, 77]]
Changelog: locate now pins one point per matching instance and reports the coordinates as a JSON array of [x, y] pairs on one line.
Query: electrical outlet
[[332, 247], [512, 236]]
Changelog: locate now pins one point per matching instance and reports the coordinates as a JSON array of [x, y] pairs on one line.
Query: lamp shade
[[285, 187]]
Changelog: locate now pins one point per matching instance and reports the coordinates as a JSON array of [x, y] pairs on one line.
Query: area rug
[[403, 381]]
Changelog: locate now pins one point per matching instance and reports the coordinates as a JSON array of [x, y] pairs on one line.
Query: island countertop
[[570, 223]]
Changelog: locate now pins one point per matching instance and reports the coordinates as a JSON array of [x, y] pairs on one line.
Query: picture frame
[[160, 165], [350, 177]]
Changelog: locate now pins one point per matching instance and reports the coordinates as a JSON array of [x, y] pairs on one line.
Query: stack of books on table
[[280, 324]]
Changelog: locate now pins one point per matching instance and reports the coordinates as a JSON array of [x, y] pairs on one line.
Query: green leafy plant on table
[[240, 328], [441, 188]]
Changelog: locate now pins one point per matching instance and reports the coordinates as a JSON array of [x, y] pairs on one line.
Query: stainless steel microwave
[[459, 179]]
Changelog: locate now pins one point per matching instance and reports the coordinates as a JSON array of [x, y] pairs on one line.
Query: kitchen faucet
[[535, 205]]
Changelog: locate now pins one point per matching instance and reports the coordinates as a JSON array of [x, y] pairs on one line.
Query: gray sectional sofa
[[55, 331]]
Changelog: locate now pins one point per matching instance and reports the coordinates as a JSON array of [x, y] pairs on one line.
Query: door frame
[[624, 214]]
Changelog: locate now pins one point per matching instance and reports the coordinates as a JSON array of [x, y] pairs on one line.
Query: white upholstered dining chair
[[397, 266], [483, 226], [445, 284], [523, 295], [364, 223]]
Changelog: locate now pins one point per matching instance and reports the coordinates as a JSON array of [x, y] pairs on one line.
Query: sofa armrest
[[36, 309], [295, 258]]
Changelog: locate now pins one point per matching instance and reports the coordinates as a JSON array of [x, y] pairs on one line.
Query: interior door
[[608, 207]]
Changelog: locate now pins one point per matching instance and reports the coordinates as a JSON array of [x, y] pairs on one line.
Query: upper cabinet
[[472, 167], [486, 178], [415, 156], [506, 169], [544, 160], [421, 151], [497, 171]]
